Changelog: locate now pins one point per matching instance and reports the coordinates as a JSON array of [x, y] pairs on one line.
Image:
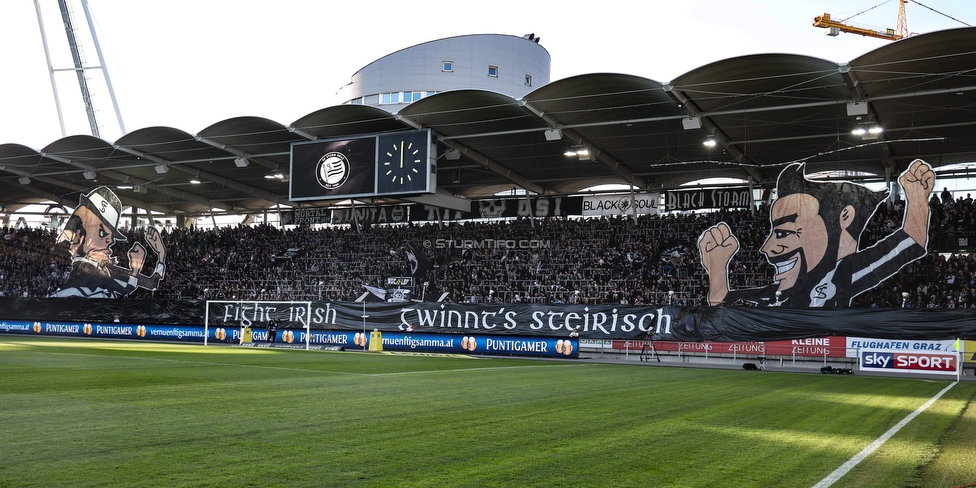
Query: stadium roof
[[763, 111]]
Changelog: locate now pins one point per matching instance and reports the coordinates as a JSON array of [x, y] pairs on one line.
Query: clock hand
[[401, 154]]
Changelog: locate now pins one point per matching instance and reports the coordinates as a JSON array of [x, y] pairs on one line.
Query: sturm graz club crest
[[332, 170]]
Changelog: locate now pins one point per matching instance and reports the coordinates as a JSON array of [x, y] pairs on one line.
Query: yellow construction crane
[[835, 27]]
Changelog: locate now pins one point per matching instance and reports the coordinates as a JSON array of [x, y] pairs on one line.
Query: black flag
[[419, 263]]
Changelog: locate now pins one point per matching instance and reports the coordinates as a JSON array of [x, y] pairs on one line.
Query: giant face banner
[[90, 232], [813, 242]]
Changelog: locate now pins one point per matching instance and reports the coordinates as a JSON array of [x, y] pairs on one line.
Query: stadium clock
[[402, 165]]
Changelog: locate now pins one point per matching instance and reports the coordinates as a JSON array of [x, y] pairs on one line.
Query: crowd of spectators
[[652, 260]]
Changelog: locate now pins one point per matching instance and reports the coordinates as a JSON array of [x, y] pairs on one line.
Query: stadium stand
[[594, 261]]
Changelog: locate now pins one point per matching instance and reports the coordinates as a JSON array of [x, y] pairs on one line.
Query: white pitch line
[[846, 467]]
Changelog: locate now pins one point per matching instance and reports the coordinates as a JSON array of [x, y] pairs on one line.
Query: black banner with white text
[[719, 324]]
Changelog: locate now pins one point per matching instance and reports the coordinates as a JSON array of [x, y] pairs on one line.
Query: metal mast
[[69, 30], [79, 66], [50, 68], [101, 64]]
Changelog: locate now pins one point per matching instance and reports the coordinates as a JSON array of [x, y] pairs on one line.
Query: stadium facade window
[[493, 71], [528, 80], [356, 101], [392, 98], [412, 96], [447, 66]]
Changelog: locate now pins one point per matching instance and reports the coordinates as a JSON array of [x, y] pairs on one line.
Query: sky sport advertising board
[[931, 357]]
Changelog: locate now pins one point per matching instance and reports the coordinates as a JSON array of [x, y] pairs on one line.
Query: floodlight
[[857, 108], [554, 134], [690, 123]]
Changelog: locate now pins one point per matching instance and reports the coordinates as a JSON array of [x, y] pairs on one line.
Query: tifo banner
[[91, 233], [714, 324], [77, 309], [815, 227], [621, 204], [373, 215], [773, 323], [497, 319], [740, 197], [309, 216], [480, 209]]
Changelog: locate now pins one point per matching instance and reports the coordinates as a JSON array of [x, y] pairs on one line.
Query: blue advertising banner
[[417, 342], [109, 331], [345, 340]]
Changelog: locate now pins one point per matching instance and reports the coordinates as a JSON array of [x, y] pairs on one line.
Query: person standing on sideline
[[273, 329]]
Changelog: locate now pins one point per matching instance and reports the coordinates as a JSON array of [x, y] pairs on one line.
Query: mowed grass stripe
[[83, 421], [293, 369]]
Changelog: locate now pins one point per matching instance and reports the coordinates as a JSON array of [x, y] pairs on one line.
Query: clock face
[[402, 165]]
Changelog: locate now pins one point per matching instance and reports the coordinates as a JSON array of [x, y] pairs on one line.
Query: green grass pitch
[[113, 413]]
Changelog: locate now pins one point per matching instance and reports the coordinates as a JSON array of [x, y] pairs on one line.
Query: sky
[[191, 63]]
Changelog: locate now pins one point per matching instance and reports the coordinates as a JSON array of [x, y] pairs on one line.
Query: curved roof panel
[[763, 111], [344, 120], [921, 90]]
